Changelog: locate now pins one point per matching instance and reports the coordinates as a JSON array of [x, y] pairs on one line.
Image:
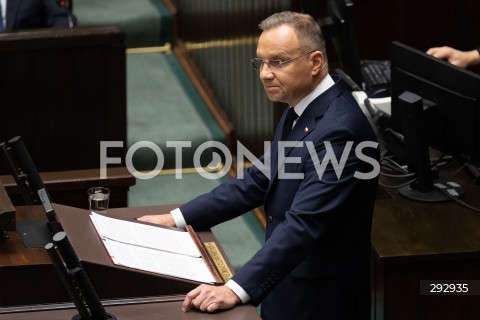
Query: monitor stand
[[425, 188], [436, 194]]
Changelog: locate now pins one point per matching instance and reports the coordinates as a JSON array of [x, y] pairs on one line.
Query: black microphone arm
[[82, 290], [19, 177], [67, 281], [28, 180]]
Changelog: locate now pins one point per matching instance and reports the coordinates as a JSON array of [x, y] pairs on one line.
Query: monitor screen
[[447, 116]]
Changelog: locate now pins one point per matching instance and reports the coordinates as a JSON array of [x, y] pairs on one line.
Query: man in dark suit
[[33, 14], [318, 195]]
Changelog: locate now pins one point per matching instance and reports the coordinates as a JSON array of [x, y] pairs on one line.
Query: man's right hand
[[162, 219]]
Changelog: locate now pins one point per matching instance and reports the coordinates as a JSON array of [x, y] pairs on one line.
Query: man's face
[[294, 80]]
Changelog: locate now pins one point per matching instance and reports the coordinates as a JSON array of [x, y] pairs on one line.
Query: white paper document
[[144, 235], [154, 249], [162, 262]]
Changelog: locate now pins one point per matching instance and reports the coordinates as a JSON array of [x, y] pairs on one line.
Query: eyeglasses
[[274, 64]]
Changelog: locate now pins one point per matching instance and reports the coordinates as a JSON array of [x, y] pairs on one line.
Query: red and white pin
[[305, 130]]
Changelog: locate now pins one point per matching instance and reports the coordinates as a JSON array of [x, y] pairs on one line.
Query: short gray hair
[[307, 29]]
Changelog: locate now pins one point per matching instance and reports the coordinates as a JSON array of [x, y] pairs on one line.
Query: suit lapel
[[305, 125]]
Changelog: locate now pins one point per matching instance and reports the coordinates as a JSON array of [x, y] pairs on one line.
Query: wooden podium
[[110, 280], [64, 91], [31, 268]]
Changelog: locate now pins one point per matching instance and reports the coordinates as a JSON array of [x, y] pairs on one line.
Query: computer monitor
[[339, 27], [434, 105]]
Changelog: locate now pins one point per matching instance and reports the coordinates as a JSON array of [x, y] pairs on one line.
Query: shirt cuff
[[178, 218], [180, 222], [242, 294]]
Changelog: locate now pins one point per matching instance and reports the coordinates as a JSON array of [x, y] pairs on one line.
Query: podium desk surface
[[82, 234], [169, 309], [14, 253], [22, 267]]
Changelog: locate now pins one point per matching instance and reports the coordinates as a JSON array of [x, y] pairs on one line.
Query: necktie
[[289, 119], [1, 18]]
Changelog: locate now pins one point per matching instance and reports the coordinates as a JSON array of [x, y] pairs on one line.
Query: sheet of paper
[[175, 265], [143, 235]]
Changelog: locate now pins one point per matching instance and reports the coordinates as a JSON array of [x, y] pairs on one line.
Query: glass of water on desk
[[98, 199]]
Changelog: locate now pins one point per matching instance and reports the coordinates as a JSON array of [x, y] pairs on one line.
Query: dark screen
[[339, 28], [451, 101]]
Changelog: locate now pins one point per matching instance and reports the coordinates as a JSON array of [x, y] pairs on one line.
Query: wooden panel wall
[[63, 91], [421, 24]]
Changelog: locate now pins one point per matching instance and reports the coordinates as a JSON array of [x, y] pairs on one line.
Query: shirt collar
[[323, 86]]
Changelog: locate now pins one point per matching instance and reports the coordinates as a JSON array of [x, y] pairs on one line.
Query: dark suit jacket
[[32, 14], [315, 261]]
